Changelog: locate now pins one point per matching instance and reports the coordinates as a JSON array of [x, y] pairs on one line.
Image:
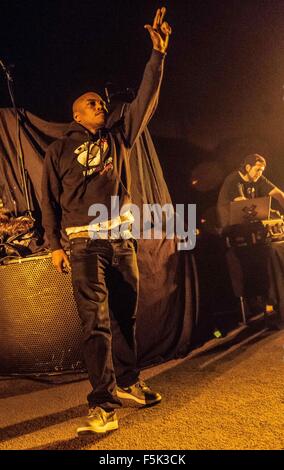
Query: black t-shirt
[[234, 186]]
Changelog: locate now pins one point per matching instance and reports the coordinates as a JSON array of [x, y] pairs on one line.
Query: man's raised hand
[[160, 31]]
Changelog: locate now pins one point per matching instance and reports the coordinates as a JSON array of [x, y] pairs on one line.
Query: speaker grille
[[40, 329]]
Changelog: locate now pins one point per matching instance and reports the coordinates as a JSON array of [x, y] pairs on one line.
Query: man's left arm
[[138, 113]]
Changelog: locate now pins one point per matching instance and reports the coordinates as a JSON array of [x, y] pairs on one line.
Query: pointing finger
[[162, 15], [156, 19]]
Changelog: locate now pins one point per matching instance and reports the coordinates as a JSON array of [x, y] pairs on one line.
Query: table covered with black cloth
[[258, 270]]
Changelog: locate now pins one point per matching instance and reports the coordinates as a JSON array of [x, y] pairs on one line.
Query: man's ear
[[76, 116]]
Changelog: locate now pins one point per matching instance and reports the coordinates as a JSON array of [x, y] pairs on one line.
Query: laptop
[[250, 210]]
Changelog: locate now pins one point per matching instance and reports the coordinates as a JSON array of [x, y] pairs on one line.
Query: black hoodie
[[75, 177]]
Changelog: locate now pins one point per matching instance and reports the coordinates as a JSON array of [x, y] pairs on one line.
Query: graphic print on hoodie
[[91, 155]]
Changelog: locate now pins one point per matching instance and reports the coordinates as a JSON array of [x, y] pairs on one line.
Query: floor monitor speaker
[[40, 329]]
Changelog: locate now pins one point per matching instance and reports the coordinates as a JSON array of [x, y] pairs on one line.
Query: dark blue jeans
[[105, 285]]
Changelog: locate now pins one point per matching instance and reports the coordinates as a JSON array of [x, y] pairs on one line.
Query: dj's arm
[[240, 196], [277, 194]]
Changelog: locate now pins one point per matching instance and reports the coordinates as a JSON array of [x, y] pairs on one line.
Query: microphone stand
[[19, 153]]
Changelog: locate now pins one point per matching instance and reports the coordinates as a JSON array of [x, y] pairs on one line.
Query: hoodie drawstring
[[101, 150], [87, 169]]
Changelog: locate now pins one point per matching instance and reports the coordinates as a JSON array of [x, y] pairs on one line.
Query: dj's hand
[[60, 261], [240, 198]]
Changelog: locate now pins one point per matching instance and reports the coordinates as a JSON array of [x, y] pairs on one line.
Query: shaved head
[[77, 105], [90, 111]]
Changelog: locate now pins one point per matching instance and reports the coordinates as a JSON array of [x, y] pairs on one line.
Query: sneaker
[[99, 421], [140, 393]]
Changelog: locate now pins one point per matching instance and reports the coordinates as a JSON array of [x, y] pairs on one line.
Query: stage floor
[[228, 394]]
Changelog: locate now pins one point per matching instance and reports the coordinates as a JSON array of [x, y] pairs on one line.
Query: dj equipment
[[40, 329], [261, 232], [250, 210], [274, 229]]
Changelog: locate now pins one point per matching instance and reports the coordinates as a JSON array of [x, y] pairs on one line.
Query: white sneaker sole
[[83, 430]]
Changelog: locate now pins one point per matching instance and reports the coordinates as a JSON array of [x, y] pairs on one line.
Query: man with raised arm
[[90, 166]]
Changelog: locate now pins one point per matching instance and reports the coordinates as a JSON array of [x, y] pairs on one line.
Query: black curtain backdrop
[[167, 302]]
